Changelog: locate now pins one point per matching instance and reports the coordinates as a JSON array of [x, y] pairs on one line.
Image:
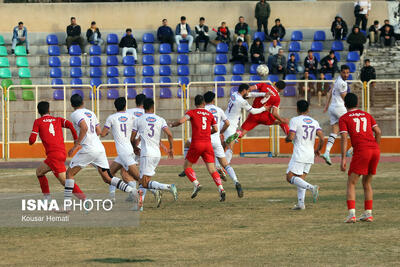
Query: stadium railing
[[2, 123]]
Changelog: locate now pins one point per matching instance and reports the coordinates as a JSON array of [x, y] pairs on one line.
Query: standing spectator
[[257, 52], [329, 65], [373, 33], [74, 34], [239, 52], [339, 28], [201, 34], [93, 35], [291, 66], [310, 65], [387, 36], [165, 34], [182, 32], [262, 13], [20, 36], [223, 34], [242, 30], [128, 44], [278, 31], [279, 63], [367, 72], [356, 40], [361, 12]]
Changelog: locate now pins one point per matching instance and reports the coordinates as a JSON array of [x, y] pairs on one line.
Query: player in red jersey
[[203, 125], [50, 130], [361, 127], [268, 117]]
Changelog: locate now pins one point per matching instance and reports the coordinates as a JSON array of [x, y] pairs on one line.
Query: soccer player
[[149, 127], [335, 107], [361, 127], [91, 150], [271, 116], [49, 129], [203, 125], [303, 131]]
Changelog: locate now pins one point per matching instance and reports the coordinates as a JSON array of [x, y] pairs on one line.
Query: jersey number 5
[[204, 124], [358, 122]]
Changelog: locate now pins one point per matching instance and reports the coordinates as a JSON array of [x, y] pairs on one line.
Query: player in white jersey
[[335, 107], [91, 150], [150, 127], [303, 131]]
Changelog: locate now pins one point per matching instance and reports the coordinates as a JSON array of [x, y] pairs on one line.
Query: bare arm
[[343, 145], [278, 117], [225, 126], [177, 123], [104, 132], [290, 137], [257, 110], [98, 129], [343, 95], [82, 133], [378, 134], [328, 101], [320, 135], [170, 141], [214, 129], [256, 94]]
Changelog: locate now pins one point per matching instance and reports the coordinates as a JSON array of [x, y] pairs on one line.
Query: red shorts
[[200, 149], [265, 118], [365, 162], [56, 162]]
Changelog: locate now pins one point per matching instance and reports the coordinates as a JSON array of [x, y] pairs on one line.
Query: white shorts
[[298, 168], [335, 113], [230, 131], [148, 166], [126, 160], [84, 158], [219, 151]]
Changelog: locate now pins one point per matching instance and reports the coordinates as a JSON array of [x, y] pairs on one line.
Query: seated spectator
[[329, 65], [386, 23], [273, 50], [202, 34], [20, 36], [339, 28], [165, 34], [223, 34], [182, 32], [278, 64], [239, 52], [291, 66], [367, 72], [242, 30], [356, 40], [93, 34], [310, 65], [387, 36], [74, 34], [128, 44], [373, 33], [257, 52], [278, 31]]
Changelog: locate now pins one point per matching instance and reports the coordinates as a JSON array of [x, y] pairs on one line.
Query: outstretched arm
[[225, 126], [177, 123]]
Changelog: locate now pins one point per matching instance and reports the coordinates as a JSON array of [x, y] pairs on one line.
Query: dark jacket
[[89, 34], [367, 74], [15, 32], [291, 67], [263, 10], [311, 64], [242, 29], [221, 37], [164, 31], [277, 60], [389, 33], [329, 63], [341, 23], [382, 29], [178, 29], [73, 30], [128, 41], [257, 49], [201, 30], [277, 31], [239, 51], [373, 29], [356, 38]]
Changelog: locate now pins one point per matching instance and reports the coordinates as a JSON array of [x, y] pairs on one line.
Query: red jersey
[[358, 124], [272, 97], [49, 129], [201, 121]]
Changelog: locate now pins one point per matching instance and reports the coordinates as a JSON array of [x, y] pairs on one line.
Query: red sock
[[191, 175], [78, 192], [44, 184], [216, 178], [351, 204], [285, 128], [368, 204]]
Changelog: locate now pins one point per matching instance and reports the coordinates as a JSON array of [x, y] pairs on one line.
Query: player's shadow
[[118, 260]]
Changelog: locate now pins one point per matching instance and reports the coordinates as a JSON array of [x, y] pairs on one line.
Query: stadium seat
[[337, 55], [246, 45], [353, 56], [58, 94], [273, 78], [148, 60], [289, 91], [165, 92], [57, 81], [294, 47], [6, 83], [220, 70], [183, 70], [53, 50], [222, 48], [236, 78], [183, 48], [1, 40], [221, 59], [95, 72], [95, 61], [319, 36], [55, 73], [350, 77], [337, 46], [219, 79], [234, 90], [112, 72], [95, 50], [297, 36], [147, 80], [165, 80], [183, 80], [352, 67], [148, 92], [130, 80], [165, 71], [148, 71], [3, 51], [26, 82], [165, 59], [311, 76], [317, 56], [77, 92], [52, 39], [255, 78], [75, 61], [238, 69], [112, 38], [20, 50], [76, 72], [317, 46], [364, 32], [148, 38], [98, 93], [112, 94], [253, 68], [112, 50], [76, 81], [179, 92], [27, 95], [54, 62], [95, 82], [328, 76], [112, 61], [148, 49], [259, 35], [111, 81], [165, 48], [4, 62], [182, 59], [129, 71], [131, 94], [11, 95], [22, 62], [5, 73], [128, 61], [220, 92], [75, 50], [290, 77]]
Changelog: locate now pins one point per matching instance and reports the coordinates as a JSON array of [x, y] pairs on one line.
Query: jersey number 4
[[358, 122], [51, 129]]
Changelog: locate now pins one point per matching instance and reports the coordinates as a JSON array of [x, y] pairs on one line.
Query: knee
[[39, 173], [288, 179], [144, 181]]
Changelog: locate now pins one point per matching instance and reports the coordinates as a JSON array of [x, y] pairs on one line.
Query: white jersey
[[91, 141], [149, 128], [220, 118], [121, 125], [339, 88], [305, 128], [136, 113], [234, 110]]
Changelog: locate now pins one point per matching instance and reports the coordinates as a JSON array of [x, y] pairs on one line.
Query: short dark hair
[[139, 99], [202, 18], [93, 23], [309, 51], [128, 30], [278, 19], [20, 23], [148, 103], [331, 52], [386, 20], [43, 107], [120, 103], [376, 22], [302, 106], [164, 20], [242, 87], [350, 100], [367, 60], [198, 100], [239, 40], [183, 18], [241, 17], [344, 67], [73, 18], [209, 97], [76, 101], [280, 85]]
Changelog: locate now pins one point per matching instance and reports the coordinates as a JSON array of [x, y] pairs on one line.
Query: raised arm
[[179, 122]]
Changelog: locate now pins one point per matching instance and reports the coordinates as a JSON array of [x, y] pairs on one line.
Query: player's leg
[[41, 171], [185, 151], [114, 167], [69, 181], [61, 177], [249, 124], [191, 175], [295, 175], [329, 144], [232, 174], [351, 197], [368, 198], [219, 153], [216, 177]]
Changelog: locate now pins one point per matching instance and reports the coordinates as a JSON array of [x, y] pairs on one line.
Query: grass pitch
[[259, 229]]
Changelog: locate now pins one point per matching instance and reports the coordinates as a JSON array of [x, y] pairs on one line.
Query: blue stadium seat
[[95, 82], [128, 61], [112, 93], [112, 80], [290, 77], [238, 69], [364, 32], [253, 68], [337, 55], [95, 61], [219, 79], [319, 36], [311, 76], [220, 70], [179, 92], [350, 77], [57, 81], [221, 59], [77, 92], [148, 38], [317, 56], [55, 73], [53, 50], [294, 47], [255, 78], [54, 62], [352, 66], [183, 48], [259, 35], [148, 71], [182, 59], [165, 48], [165, 80], [131, 93], [234, 89], [76, 81], [95, 50], [353, 56], [337, 46], [165, 92], [148, 92], [129, 71], [236, 78], [297, 36], [165, 60], [148, 60], [58, 94], [95, 72], [112, 72], [75, 61], [222, 48], [328, 76], [165, 71], [112, 38], [183, 80], [130, 80], [75, 50], [52, 39], [220, 92], [75, 72], [112, 50], [289, 91], [317, 46], [183, 70], [147, 80], [273, 78], [148, 49], [112, 61], [91, 93]]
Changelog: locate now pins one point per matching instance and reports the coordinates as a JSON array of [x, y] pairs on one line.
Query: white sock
[[132, 184], [111, 188], [352, 212], [185, 151], [368, 211], [231, 173], [329, 144], [69, 186], [159, 186], [301, 196], [121, 185], [301, 183], [228, 155], [220, 188], [195, 183]]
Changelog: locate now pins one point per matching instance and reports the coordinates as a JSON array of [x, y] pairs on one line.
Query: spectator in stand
[[165, 34], [279, 64], [128, 44], [74, 34], [273, 50], [20, 36], [201, 34], [356, 40], [291, 66], [339, 28], [93, 34], [329, 65], [310, 65], [257, 52], [239, 52], [361, 12], [183, 32], [367, 72], [387, 37], [278, 31], [262, 13], [373, 33], [242, 30], [223, 34]]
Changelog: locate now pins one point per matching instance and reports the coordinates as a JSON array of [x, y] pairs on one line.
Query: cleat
[[196, 190], [140, 200], [232, 138], [350, 219], [349, 152], [141, 208], [327, 159], [222, 195], [157, 196], [174, 191], [366, 217], [222, 172], [239, 189], [130, 198], [182, 174], [299, 207], [315, 193]]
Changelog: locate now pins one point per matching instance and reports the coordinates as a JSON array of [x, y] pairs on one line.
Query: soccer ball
[[262, 70]]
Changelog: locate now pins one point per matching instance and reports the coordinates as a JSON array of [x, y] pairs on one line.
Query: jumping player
[[50, 131], [203, 125], [303, 131], [361, 127]]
